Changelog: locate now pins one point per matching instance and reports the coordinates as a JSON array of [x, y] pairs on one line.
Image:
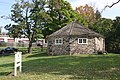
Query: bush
[[100, 52]]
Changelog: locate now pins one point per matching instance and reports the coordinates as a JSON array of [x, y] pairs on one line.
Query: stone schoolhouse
[[75, 39]]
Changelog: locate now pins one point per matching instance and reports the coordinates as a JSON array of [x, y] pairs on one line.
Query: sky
[[5, 7], [99, 4]]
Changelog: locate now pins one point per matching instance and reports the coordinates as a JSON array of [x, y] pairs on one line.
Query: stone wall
[[88, 48], [70, 46], [61, 49]]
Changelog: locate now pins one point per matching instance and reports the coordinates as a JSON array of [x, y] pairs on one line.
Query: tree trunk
[[30, 43], [30, 47]]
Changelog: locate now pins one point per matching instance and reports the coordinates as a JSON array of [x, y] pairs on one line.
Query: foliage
[[14, 30], [39, 18], [103, 26], [43, 67], [29, 17], [88, 14], [114, 37], [61, 13]]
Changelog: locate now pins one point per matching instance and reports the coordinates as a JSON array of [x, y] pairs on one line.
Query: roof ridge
[[71, 28]]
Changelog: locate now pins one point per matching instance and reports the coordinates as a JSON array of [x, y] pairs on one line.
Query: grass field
[[39, 66]]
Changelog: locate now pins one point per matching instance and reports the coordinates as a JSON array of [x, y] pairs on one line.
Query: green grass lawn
[[39, 66]]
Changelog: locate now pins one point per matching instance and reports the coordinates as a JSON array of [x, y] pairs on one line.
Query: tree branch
[[110, 6]]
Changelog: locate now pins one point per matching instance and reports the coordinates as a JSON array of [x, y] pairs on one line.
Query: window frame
[[82, 40], [58, 42]]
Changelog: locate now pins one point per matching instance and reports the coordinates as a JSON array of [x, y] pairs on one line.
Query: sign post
[[18, 58]]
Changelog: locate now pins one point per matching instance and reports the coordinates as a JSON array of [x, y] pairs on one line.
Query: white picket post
[[18, 62]]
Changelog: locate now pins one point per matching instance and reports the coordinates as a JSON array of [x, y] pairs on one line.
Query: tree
[[97, 14], [61, 13], [103, 26], [30, 17], [114, 38], [88, 14], [1, 30], [14, 30]]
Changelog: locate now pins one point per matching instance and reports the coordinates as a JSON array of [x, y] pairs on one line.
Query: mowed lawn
[[39, 66]]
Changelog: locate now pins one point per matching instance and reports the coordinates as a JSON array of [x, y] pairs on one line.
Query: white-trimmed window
[[58, 41], [82, 40]]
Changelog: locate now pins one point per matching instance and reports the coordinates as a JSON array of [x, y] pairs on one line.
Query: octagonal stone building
[[75, 39]]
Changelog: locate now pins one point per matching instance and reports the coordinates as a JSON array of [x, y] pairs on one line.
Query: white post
[[18, 63]]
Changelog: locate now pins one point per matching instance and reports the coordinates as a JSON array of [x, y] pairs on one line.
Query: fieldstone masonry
[[70, 46]]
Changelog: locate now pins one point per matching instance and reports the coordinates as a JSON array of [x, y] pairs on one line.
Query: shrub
[[100, 52]]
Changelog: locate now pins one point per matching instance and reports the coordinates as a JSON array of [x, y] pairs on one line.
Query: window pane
[[60, 41], [80, 40], [57, 41], [84, 41]]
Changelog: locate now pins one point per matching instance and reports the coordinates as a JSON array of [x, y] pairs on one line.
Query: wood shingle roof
[[74, 28]]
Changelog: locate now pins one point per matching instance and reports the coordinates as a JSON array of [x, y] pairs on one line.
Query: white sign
[[18, 58]]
